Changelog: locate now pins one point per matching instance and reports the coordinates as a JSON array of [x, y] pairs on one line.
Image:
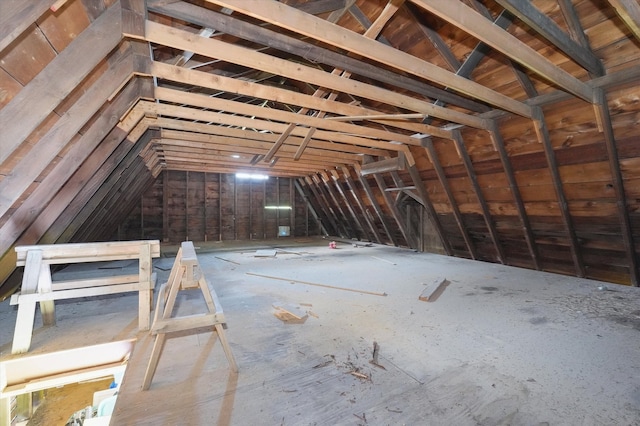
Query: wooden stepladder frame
[[185, 274], [37, 286]]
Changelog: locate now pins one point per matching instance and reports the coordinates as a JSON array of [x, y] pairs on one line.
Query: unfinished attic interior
[[449, 135]]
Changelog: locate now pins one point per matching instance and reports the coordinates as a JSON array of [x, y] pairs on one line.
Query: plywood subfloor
[[498, 345]]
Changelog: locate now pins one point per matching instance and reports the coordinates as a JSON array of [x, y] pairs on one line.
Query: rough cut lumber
[[290, 313], [431, 291], [318, 285]]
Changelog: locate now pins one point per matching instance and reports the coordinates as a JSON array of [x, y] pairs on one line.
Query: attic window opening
[[251, 176]]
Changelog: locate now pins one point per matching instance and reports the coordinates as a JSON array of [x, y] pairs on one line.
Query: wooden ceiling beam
[[256, 90], [169, 124], [212, 117], [202, 151], [371, 32], [245, 146], [470, 21], [629, 12], [291, 19], [547, 28], [257, 34], [179, 39], [229, 106]]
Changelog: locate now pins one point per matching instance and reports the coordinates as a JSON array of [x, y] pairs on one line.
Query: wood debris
[[290, 313], [433, 289], [374, 360]]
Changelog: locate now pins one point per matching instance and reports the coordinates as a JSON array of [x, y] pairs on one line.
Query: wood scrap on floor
[[290, 313], [265, 253], [433, 290], [384, 260], [375, 293], [374, 360], [226, 260]]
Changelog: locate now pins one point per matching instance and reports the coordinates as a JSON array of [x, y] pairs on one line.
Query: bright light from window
[[252, 176], [277, 207], [235, 156]]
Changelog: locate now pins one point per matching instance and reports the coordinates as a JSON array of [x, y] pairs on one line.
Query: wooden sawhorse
[[185, 274], [37, 286]]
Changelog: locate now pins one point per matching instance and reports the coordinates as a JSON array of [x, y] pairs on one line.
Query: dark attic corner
[[494, 133]]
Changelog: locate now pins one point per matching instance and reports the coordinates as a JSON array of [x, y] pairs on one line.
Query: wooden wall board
[[62, 26], [9, 87], [28, 55]]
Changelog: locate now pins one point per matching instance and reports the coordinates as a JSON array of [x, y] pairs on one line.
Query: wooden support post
[[323, 206], [486, 214], [426, 202], [543, 136], [376, 205], [354, 193], [394, 211], [27, 310], [336, 181], [146, 292], [433, 157], [309, 208], [602, 110], [352, 230], [333, 208], [498, 144]]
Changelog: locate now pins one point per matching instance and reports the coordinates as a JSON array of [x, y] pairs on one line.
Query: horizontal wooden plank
[[88, 252]]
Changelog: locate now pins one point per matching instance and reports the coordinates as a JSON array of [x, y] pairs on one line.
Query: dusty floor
[[499, 346]]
